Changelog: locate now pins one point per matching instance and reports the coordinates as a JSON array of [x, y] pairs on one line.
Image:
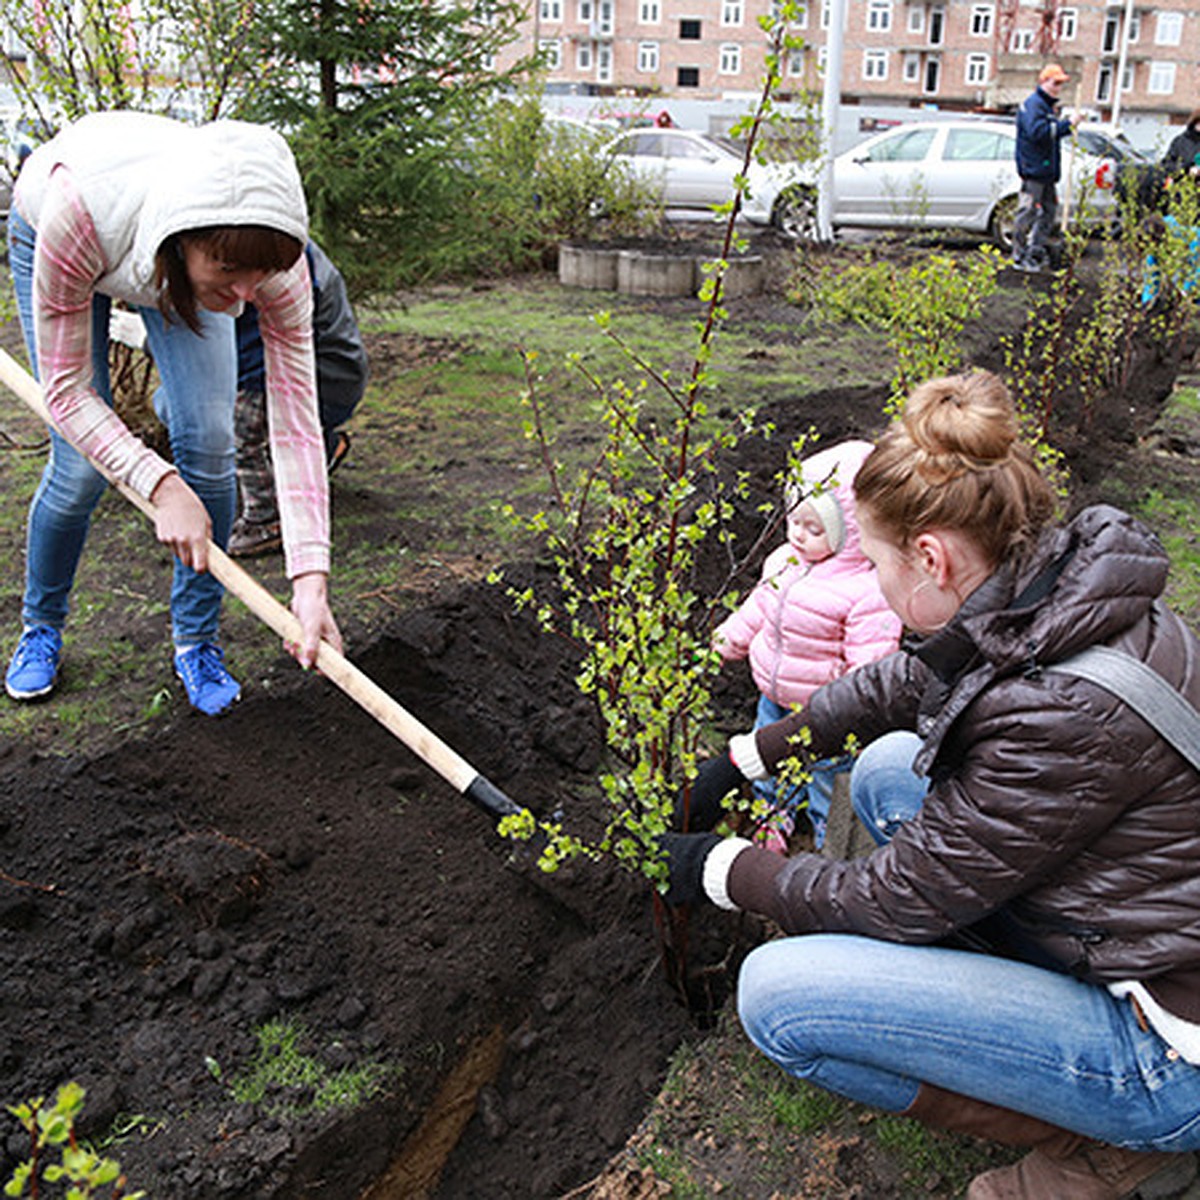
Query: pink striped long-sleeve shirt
[[71, 265]]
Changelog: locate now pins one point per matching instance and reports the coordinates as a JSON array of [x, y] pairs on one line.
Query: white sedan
[[961, 174], [690, 170]]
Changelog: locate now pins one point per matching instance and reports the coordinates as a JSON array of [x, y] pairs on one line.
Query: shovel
[[425, 744]]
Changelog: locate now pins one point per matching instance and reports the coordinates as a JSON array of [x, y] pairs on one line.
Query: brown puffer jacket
[[1051, 799]]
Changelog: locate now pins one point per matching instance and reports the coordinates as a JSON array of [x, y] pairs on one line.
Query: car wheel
[[795, 214], [1000, 228]]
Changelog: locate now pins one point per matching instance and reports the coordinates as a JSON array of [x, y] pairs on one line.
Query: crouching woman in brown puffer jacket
[[1020, 956]]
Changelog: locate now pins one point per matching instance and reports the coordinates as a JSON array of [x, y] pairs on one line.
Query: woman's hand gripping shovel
[[454, 769]]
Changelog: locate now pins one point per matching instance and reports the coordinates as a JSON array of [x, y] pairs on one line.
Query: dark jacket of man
[[1039, 132], [1184, 149]]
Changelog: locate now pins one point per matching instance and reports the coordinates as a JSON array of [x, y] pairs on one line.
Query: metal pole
[[1122, 56], [830, 105]]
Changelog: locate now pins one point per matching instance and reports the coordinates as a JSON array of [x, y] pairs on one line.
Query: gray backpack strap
[[1144, 690]]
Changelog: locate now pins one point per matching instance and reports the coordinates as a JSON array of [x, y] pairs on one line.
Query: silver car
[[961, 174], [691, 170]]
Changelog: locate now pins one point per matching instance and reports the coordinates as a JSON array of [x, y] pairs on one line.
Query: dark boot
[[960, 1114], [1062, 1165]]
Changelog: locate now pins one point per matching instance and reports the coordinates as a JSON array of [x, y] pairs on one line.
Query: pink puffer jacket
[[806, 624]]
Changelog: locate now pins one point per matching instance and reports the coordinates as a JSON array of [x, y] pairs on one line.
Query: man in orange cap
[[1039, 131]]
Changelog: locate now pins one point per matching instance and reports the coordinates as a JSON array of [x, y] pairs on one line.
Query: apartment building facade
[[948, 54]]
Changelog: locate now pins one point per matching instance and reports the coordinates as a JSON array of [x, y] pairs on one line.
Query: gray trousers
[[1037, 213]]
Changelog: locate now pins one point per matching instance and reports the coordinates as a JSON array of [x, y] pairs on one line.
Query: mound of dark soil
[[294, 861]]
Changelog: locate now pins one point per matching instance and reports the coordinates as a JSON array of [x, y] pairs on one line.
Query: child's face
[[807, 535]]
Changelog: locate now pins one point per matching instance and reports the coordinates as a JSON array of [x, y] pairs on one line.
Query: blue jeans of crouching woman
[[195, 402], [815, 796], [871, 1020]]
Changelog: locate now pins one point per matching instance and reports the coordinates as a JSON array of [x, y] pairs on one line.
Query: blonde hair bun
[[955, 459], [960, 423]]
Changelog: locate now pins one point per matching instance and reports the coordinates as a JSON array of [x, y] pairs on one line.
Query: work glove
[[685, 854], [715, 779]]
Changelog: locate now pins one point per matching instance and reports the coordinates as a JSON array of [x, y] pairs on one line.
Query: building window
[[1162, 79], [731, 12], [879, 16], [977, 70], [800, 17], [647, 61], [689, 31], [875, 64], [649, 12], [551, 51], [604, 17], [1127, 78], [730, 59], [1112, 32], [551, 10], [583, 12], [826, 8], [604, 63], [981, 20], [1104, 84], [1168, 31], [937, 25], [688, 77], [910, 72], [1021, 41], [583, 56], [822, 60], [1068, 24], [916, 18], [933, 75]]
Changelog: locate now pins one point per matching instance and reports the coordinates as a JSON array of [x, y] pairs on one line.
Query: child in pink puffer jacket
[[816, 613]]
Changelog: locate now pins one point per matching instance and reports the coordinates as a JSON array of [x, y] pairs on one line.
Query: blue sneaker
[[210, 687], [33, 671]]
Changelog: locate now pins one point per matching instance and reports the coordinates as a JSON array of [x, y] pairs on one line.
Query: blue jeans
[[195, 402], [872, 1020], [818, 792]]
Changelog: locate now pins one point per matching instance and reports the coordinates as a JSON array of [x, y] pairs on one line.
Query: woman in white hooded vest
[[185, 224]]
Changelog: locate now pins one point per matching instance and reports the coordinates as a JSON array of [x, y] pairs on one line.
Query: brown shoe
[[1063, 1165], [248, 539], [1093, 1172], [339, 452]]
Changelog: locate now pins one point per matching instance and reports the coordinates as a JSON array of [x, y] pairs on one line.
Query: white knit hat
[[829, 512], [826, 483]]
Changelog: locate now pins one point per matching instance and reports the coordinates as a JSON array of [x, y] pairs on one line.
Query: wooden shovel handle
[[451, 766]]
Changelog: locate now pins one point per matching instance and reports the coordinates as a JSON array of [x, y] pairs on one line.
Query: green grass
[[1176, 518], [289, 1081]]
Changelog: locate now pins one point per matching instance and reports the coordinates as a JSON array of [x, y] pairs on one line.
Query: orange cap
[[1053, 73]]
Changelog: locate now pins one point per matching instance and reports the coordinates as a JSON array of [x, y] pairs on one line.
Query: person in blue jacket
[[341, 381], [1039, 164]]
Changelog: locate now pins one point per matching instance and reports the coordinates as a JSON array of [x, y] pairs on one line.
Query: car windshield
[[1106, 145]]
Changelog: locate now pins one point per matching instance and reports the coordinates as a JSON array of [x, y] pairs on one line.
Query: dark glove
[[716, 778], [685, 854]]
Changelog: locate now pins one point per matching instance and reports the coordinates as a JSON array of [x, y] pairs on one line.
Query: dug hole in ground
[[292, 866]]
